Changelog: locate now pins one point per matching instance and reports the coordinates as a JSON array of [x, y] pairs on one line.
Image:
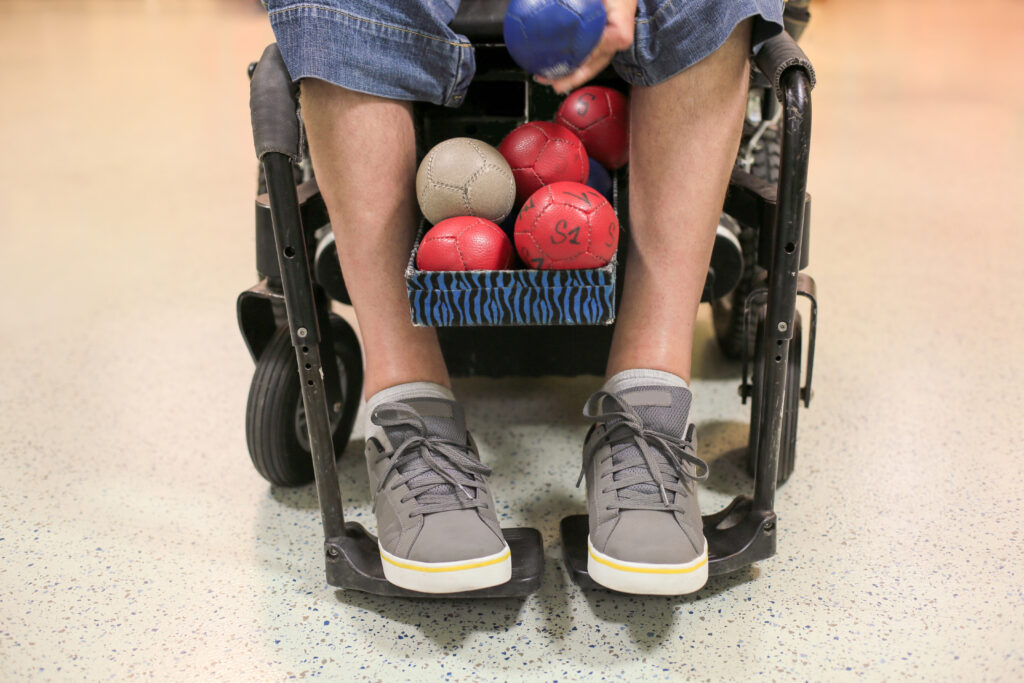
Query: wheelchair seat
[[481, 20]]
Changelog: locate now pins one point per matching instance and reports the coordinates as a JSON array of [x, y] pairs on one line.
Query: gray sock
[[642, 377], [401, 392]]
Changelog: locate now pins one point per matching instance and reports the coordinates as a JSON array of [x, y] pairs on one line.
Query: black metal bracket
[[806, 287], [353, 563], [259, 310]]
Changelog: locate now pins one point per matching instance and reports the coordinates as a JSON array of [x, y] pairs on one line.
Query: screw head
[[332, 551], [337, 406], [302, 332], [783, 327]]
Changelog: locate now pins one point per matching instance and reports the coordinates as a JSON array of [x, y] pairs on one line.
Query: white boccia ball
[[465, 177]]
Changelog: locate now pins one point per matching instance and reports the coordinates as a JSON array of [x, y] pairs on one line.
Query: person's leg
[[684, 134], [640, 461], [436, 518], [364, 157]]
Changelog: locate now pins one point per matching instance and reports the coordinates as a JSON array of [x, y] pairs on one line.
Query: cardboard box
[[510, 297]]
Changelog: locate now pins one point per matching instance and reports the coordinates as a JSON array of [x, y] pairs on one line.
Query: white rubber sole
[[647, 579], [448, 577]]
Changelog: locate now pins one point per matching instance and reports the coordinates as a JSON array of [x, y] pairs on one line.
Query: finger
[[593, 65]]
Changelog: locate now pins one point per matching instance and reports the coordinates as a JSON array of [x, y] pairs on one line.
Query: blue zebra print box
[[510, 297]]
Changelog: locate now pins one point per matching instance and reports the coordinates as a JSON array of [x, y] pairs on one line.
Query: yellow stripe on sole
[[459, 567], [648, 570]]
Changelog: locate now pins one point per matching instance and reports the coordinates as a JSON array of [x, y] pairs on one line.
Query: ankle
[[627, 379]]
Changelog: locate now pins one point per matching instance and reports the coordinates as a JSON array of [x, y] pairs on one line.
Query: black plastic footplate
[[353, 563], [737, 536]]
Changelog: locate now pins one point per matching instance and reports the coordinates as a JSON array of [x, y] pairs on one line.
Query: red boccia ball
[[465, 243], [541, 152], [566, 225], [600, 117]]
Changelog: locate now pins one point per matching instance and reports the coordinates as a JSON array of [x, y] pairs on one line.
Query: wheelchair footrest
[[353, 563], [737, 536]]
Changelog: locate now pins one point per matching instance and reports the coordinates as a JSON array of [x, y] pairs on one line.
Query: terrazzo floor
[[137, 540]]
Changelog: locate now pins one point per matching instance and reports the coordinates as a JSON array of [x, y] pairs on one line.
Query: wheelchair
[[306, 387]]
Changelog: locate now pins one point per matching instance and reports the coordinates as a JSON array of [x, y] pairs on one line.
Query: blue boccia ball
[[600, 180], [553, 37]]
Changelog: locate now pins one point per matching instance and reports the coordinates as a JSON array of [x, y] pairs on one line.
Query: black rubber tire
[[727, 312], [791, 410], [275, 414], [768, 156]]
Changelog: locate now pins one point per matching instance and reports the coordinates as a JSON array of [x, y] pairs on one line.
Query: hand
[[618, 35]]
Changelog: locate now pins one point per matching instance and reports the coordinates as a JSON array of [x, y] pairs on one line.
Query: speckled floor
[[137, 540]]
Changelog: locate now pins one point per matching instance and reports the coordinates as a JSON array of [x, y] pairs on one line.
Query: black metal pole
[[300, 303], [782, 278]]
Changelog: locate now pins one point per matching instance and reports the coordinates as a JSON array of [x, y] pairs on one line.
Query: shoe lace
[[660, 459], [439, 466]]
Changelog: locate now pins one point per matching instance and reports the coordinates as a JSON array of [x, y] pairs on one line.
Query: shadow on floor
[[708, 361], [648, 618], [723, 445], [352, 477], [448, 623]]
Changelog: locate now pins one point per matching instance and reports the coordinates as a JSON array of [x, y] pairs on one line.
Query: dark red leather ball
[[541, 152], [465, 243], [600, 118], [565, 226]]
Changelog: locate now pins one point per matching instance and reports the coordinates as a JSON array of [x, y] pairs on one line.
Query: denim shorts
[[406, 51]]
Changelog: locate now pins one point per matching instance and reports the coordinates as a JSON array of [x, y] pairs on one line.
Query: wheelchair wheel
[[275, 418], [727, 312], [768, 155], [791, 404]]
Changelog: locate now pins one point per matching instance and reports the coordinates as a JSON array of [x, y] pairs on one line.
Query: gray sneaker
[[640, 463], [436, 523]]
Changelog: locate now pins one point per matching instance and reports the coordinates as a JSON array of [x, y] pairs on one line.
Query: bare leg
[[684, 134], [364, 155]]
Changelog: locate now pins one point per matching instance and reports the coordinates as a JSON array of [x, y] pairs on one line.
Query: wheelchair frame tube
[[782, 278], [300, 304]]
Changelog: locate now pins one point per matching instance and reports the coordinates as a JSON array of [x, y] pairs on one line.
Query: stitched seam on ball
[[458, 248], [536, 244], [467, 189], [538, 156], [490, 225], [568, 124], [590, 228], [480, 152], [447, 186], [453, 240], [533, 125], [537, 176], [511, 198], [590, 234], [540, 213]]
